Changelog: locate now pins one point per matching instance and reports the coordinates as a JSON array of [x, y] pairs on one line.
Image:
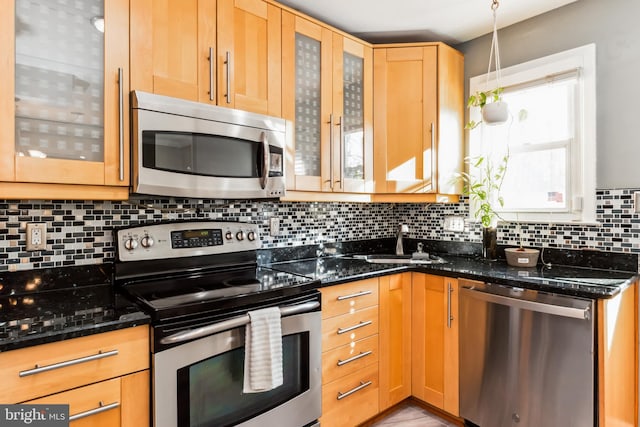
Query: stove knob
[[228, 235], [130, 244], [147, 241], [240, 235], [251, 236]]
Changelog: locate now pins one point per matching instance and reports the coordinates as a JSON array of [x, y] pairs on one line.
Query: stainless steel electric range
[[198, 280]]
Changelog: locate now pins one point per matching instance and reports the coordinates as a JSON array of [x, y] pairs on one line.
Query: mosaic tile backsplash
[[80, 232]]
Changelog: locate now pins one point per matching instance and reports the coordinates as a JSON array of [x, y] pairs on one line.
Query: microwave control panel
[[183, 239]]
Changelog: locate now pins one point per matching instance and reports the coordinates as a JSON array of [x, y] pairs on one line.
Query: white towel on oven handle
[[263, 351]]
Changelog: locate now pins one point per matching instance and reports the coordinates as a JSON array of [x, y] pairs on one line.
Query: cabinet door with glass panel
[[327, 95], [64, 98]]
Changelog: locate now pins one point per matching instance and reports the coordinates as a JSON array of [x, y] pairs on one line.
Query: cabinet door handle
[[227, 66], [330, 180], [354, 327], [40, 369], [357, 294], [212, 95], [341, 127], [354, 358], [121, 122], [101, 408], [449, 316], [353, 390]]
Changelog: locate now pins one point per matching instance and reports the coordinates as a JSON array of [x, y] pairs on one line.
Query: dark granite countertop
[[602, 281], [567, 280], [48, 305]]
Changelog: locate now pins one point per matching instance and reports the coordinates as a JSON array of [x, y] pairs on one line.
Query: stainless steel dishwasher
[[526, 357]]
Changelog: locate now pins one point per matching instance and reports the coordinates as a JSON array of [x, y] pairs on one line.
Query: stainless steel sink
[[399, 259]]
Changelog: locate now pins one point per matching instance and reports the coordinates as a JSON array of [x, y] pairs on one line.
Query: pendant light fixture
[[495, 111]]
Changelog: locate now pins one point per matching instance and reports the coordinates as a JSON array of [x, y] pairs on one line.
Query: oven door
[[200, 383]]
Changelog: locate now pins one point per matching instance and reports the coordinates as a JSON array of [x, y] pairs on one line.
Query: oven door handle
[[232, 323]]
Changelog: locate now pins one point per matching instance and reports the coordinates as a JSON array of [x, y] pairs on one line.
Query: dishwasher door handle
[[556, 310]]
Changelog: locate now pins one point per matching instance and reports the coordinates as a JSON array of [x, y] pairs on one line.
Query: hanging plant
[[494, 110], [482, 100]]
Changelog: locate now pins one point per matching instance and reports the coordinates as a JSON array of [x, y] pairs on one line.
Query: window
[[549, 137]]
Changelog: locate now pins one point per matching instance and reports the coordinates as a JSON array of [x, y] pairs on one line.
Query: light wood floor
[[408, 414]]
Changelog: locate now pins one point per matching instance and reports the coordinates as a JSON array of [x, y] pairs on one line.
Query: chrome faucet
[[402, 228]]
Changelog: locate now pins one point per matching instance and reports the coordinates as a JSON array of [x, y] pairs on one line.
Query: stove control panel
[[183, 239]]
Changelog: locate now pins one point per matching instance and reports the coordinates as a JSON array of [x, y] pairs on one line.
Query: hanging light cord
[[494, 44]]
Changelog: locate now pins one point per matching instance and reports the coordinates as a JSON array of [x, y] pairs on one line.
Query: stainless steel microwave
[[189, 149]]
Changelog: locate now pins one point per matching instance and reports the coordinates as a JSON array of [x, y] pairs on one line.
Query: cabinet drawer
[[341, 330], [352, 399], [50, 368], [343, 299], [93, 405], [349, 358]]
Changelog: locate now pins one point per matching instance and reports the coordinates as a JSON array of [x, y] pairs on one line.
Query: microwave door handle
[[265, 160]]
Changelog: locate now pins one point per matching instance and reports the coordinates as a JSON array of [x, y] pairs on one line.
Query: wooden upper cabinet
[[171, 41], [249, 56], [65, 111], [327, 95], [224, 52], [419, 114]]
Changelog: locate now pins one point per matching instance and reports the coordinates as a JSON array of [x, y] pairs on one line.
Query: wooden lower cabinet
[[395, 339], [352, 399], [122, 401], [349, 353], [617, 340], [104, 378], [434, 321]]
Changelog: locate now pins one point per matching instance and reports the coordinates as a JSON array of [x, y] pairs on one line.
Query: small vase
[[495, 113], [490, 243]]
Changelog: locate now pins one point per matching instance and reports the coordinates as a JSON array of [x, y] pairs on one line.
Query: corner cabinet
[[64, 101], [225, 52], [395, 339], [419, 113], [327, 96], [434, 346]]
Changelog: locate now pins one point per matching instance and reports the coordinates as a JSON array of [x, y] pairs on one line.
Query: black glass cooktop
[[214, 292]]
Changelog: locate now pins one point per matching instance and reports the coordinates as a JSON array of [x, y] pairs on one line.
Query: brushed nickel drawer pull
[[351, 328], [40, 369], [354, 358], [353, 390], [357, 294], [94, 411]]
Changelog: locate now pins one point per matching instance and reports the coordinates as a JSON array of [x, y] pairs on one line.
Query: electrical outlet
[[453, 223], [36, 236], [274, 226]]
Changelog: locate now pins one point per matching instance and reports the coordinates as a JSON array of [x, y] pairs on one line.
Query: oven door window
[[201, 154], [210, 391]]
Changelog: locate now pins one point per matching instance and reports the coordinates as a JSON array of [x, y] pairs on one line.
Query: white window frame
[[582, 206]]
